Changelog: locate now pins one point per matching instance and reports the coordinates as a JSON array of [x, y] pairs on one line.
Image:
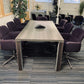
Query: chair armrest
[[72, 46], [73, 43], [60, 29], [66, 35], [8, 44]]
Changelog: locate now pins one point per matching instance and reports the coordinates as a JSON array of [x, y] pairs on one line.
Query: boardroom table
[[33, 33]]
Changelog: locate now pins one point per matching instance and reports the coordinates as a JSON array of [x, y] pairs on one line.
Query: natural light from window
[[43, 0], [71, 1]]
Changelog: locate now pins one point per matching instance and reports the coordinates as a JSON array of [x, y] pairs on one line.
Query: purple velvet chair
[[5, 33], [48, 18], [18, 23], [72, 42], [71, 16], [33, 16], [7, 41], [8, 45], [78, 20], [61, 24], [13, 27], [67, 28], [41, 18]]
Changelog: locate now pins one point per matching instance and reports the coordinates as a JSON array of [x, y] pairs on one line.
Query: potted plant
[[81, 8], [37, 7], [19, 8], [55, 9]]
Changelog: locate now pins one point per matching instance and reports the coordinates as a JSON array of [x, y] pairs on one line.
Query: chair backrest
[[3, 31], [33, 16], [41, 18], [40, 15], [68, 27], [47, 17], [17, 21], [62, 16], [78, 20], [68, 19], [11, 25], [63, 22], [78, 33], [71, 17]]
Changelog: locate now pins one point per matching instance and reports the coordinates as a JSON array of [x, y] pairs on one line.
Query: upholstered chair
[[7, 41], [41, 18], [6, 33], [78, 20], [61, 24], [48, 18], [8, 45], [62, 16], [67, 28], [13, 27], [18, 22], [72, 43], [33, 16]]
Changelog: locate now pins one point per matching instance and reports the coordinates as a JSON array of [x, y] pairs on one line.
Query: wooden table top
[[49, 33]]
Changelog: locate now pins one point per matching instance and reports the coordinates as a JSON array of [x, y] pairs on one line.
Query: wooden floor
[[40, 70]]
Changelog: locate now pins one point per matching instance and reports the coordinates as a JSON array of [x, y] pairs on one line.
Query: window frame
[[2, 13]]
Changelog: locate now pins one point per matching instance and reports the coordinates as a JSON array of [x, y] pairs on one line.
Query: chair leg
[[72, 58], [69, 63], [67, 57], [9, 59]]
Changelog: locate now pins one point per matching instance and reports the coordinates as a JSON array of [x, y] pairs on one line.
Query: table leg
[[59, 56], [19, 55]]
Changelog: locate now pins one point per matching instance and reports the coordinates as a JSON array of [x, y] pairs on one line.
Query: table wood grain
[[48, 34]]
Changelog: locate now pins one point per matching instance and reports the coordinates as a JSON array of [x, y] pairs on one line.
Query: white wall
[[6, 19], [69, 8], [65, 8], [43, 6]]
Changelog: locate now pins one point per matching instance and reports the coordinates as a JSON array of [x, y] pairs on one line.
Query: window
[[43, 0], [5, 7], [71, 1]]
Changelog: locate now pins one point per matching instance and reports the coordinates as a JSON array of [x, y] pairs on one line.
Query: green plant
[[81, 8], [55, 9], [37, 7], [19, 8]]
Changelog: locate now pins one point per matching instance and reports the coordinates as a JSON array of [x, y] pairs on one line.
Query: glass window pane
[[43, 0], [7, 6]]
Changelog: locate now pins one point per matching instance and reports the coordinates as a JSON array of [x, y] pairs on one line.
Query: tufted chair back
[[68, 27], [78, 33], [17, 21], [62, 22], [11, 26]]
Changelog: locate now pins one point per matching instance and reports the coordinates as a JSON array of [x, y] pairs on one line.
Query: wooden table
[[48, 34]]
